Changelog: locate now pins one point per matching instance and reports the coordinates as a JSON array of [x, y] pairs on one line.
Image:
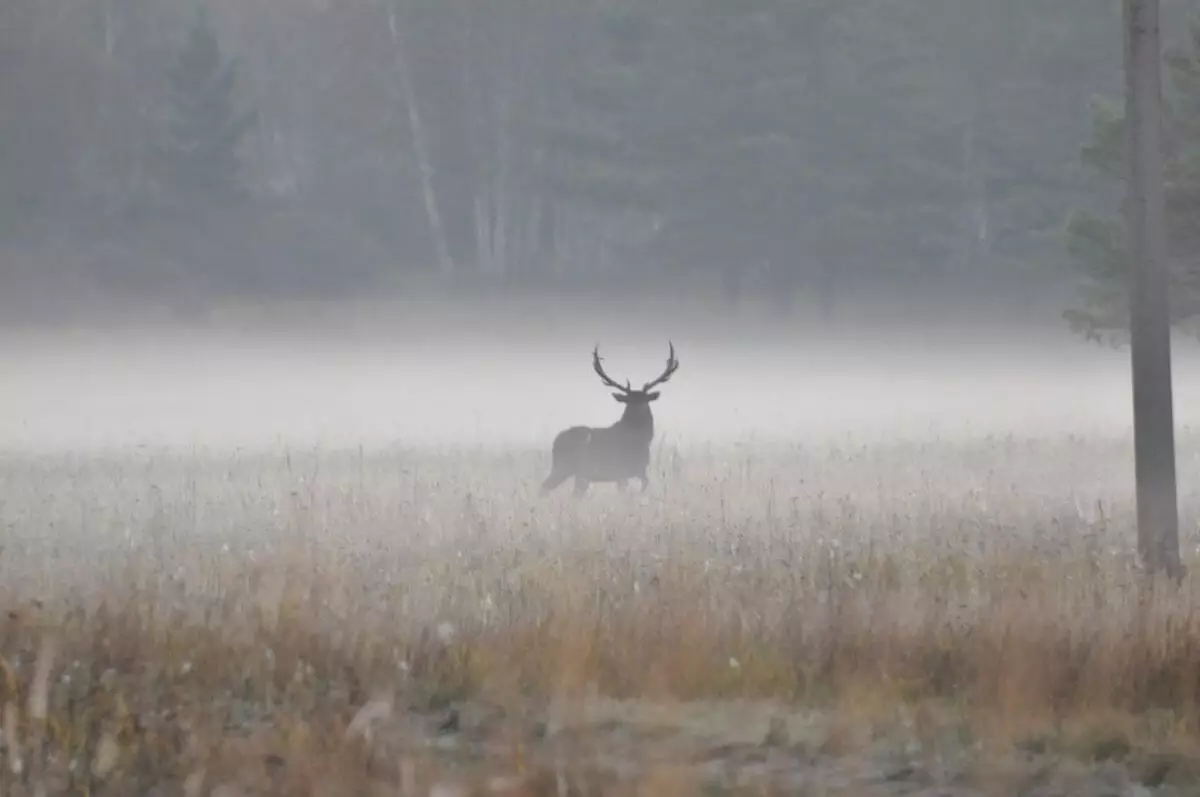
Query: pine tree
[[204, 127], [593, 155], [675, 118], [1097, 242], [727, 124]]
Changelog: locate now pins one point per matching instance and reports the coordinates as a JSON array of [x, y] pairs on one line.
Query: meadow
[[932, 611]]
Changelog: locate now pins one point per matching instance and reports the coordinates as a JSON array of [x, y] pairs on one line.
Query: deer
[[614, 453]]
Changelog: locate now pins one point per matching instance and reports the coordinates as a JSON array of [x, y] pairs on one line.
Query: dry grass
[[300, 623]]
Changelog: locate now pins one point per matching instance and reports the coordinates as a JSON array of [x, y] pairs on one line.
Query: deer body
[[614, 453]]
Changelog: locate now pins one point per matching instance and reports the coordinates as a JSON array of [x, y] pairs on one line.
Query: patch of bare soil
[[618, 747]]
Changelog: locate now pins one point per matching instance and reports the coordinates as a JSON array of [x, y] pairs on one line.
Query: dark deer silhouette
[[614, 453]]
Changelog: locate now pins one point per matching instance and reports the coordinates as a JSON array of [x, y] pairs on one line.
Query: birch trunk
[[110, 29], [477, 109], [500, 236], [501, 188], [530, 250], [445, 262], [483, 234]]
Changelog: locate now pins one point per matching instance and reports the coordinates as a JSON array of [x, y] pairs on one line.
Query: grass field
[[942, 614], [862, 567]]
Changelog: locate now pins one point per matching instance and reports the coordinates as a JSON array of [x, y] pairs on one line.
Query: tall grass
[[173, 616]]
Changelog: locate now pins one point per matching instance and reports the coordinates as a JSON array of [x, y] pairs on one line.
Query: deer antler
[[605, 378], [672, 366]]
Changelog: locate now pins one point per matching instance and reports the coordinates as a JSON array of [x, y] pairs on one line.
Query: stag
[[614, 453]]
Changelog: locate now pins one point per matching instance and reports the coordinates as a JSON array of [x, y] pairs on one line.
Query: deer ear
[[621, 397], [652, 396]]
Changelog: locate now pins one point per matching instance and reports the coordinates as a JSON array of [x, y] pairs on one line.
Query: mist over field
[[490, 386]]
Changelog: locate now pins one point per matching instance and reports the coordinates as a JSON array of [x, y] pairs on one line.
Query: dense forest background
[[771, 149]]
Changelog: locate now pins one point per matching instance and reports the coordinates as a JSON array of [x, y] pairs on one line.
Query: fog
[[493, 386], [837, 189], [194, 154]]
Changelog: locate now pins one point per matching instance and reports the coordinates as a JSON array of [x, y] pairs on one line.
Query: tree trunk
[[531, 239], [1153, 421], [445, 262], [500, 236], [976, 226], [501, 186], [483, 234], [110, 29], [731, 283], [827, 290], [547, 243]]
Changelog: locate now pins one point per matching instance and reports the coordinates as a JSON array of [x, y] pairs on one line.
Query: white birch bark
[[500, 189], [445, 262], [483, 233]]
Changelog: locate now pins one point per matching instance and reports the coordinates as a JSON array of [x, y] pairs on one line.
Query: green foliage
[[1105, 151], [204, 127], [1097, 244], [829, 140], [690, 116], [592, 153], [867, 141]]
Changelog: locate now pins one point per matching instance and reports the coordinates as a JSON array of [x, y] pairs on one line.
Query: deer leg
[[553, 480], [645, 480], [581, 486]]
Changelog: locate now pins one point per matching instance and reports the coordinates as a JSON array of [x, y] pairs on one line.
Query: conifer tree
[[1097, 242], [204, 127]]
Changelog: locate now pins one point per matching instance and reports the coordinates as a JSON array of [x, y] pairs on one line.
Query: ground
[[923, 616]]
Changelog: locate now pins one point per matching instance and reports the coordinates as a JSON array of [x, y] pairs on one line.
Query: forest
[[777, 148], [303, 303]]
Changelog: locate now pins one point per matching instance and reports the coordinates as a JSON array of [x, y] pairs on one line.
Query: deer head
[[627, 394]]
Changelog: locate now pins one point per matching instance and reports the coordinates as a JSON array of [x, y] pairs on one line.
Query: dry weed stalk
[[281, 615]]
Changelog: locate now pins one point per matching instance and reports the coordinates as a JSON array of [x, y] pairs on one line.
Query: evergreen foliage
[[885, 146], [829, 141], [204, 127], [1098, 241]]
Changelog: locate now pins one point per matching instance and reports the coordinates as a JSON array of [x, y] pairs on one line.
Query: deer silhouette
[[614, 453]]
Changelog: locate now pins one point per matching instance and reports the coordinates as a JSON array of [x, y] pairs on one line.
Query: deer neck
[[638, 419]]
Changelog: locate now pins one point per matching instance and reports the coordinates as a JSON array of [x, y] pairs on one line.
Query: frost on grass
[[171, 617]]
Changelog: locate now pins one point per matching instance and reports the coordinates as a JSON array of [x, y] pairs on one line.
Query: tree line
[[777, 146]]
